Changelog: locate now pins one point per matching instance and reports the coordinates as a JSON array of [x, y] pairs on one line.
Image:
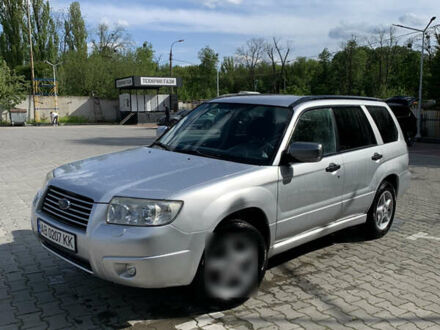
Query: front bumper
[[161, 256]]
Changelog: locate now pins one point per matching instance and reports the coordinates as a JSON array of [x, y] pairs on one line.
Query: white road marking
[[422, 235]]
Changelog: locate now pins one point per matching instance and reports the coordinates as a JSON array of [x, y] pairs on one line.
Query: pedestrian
[[54, 118], [167, 115]]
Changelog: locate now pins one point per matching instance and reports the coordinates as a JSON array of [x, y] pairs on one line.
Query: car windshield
[[243, 133], [181, 113]]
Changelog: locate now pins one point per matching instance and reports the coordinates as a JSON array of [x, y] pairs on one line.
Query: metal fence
[[431, 124]]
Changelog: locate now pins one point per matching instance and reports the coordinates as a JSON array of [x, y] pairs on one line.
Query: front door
[[310, 194]]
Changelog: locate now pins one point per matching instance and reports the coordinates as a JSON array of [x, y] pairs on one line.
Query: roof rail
[[332, 97], [241, 93]]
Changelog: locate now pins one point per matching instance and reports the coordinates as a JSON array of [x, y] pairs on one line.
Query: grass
[[62, 120], [73, 120]]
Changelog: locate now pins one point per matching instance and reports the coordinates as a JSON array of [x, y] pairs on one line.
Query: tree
[[271, 54], [208, 71], [251, 55], [349, 66], [322, 82], [11, 36], [75, 30], [434, 81], [108, 42], [44, 34], [283, 54], [12, 87]]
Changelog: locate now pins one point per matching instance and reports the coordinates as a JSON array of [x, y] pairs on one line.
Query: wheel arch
[[393, 179], [254, 216]]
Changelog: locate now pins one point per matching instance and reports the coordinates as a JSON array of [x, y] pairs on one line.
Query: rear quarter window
[[384, 123]]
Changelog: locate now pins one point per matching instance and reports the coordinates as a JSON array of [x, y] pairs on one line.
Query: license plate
[[57, 236]]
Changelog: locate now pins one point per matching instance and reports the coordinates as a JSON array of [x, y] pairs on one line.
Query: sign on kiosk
[[124, 82], [155, 81], [136, 82]]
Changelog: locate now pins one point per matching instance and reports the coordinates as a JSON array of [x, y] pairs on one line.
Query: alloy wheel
[[384, 210]]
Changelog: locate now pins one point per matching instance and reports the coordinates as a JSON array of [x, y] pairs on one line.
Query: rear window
[[354, 129], [384, 123]]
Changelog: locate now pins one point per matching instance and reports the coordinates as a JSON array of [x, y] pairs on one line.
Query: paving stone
[[57, 322], [340, 282], [6, 318], [25, 307]]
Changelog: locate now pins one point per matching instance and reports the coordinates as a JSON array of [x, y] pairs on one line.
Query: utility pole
[[31, 58], [171, 64], [218, 83], [422, 54], [218, 77], [54, 71]]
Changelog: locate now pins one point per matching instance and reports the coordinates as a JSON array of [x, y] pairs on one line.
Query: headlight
[[142, 212], [49, 176]]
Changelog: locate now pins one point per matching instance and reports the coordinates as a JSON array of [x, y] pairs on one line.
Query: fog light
[[131, 271]]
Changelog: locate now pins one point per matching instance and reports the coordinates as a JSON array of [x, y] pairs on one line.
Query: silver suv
[[237, 181]]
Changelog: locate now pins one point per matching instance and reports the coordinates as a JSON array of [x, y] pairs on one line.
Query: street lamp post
[[54, 70], [218, 82], [171, 63], [422, 53], [218, 77]]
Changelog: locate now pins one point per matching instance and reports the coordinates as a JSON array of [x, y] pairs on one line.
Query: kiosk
[[136, 102]]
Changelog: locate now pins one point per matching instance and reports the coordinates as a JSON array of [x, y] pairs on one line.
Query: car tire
[[215, 266], [381, 214]]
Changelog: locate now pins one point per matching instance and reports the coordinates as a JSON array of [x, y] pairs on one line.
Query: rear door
[[361, 156], [310, 194]]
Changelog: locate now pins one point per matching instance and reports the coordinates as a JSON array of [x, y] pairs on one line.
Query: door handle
[[332, 167], [376, 156]]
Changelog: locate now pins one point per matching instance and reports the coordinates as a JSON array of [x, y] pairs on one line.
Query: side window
[[384, 123], [353, 128], [317, 126]]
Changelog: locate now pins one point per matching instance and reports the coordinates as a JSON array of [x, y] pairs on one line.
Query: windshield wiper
[[199, 153], [161, 145]]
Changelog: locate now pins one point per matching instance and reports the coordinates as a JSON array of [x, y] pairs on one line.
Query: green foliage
[[11, 37], [95, 75], [75, 30], [12, 87], [434, 81], [73, 120], [44, 36], [381, 69]]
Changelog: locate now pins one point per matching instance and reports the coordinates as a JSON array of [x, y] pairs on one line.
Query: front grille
[[76, 215]]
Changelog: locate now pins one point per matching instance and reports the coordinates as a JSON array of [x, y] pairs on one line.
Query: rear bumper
[[161, 256]]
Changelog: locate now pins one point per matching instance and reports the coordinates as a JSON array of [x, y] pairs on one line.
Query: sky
[[307, 25]]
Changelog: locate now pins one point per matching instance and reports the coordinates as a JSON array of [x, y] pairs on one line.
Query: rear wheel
[[234, 263], [381, 213]]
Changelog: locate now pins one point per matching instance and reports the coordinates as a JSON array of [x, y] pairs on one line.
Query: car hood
[[143, 173]]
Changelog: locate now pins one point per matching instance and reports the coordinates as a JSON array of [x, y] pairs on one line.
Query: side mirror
[[305, 152], [161, 130]]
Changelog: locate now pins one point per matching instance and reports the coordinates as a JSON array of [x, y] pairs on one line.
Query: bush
[[73, 120]]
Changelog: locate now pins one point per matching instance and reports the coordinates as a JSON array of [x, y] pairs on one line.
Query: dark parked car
[[401, 106], [174, 118]]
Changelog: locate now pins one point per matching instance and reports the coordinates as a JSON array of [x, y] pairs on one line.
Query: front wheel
[[381, 213], [234, 263]]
